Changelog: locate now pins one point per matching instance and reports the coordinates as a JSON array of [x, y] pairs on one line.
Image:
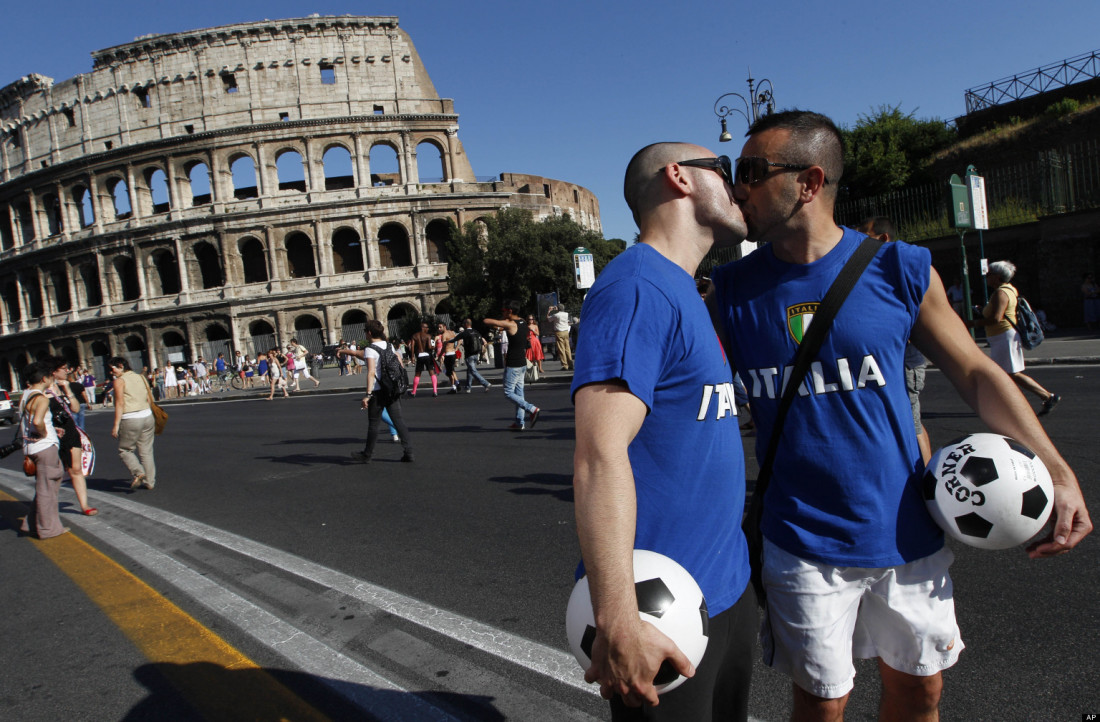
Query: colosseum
[[229, 188]]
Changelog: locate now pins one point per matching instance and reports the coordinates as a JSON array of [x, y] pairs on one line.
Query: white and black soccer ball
[[668, 598], [988, 491]]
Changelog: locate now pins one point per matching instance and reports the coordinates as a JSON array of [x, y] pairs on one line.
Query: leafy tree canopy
[[513, 256], [889, 149]]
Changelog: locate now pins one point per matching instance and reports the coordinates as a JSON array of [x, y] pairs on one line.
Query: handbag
[[160, 418], [807, 349], [29, 467]]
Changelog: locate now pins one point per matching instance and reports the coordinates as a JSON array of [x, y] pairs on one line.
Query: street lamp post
[[761, 101]]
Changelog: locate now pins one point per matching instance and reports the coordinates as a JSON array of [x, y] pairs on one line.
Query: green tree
[[513, 256], [889, 149]]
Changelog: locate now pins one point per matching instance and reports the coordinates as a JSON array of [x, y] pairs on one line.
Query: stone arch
[[347, 251], [243, 170], [11, 302], [99, 353], [198, 178], [82, 199], [59, 279], [210, 265], [436, 235], [88, 273], [120, 197], [260, 328], [32, 290], [307, 321], [384, 166], [52, 207], [393, 246], [126, 271], [253, 260], [7, 239], [135, 352], [156, 180], [339, 172], [165, 278], [290, 170], [68, 352], [354, 315], [216, 332], [402, 320], [431, 164], [173, 339], [299, 255], [26, 224]]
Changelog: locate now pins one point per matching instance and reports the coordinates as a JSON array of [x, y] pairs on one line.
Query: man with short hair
[[472, 343], [202, 376], [559, 323], [658, 462], [853, 564], [514, 329], [421, 343]]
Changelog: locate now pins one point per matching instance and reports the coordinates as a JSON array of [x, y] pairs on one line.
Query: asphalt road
[[438, 588]]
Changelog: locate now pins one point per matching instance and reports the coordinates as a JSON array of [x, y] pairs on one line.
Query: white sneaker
[[396, 439]]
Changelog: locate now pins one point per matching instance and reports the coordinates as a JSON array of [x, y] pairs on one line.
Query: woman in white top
[[40, 444]]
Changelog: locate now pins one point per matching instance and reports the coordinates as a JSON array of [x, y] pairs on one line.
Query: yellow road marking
[[219, 681]]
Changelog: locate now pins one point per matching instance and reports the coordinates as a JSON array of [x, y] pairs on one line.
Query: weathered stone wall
[[212, 187]]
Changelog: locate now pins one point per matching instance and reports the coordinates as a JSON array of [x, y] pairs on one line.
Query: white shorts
[[304, 368], [1007, 351], [820, 617]]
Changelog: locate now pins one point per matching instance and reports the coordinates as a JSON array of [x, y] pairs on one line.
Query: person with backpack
[[386, 382], [472, 343], [999, 318]]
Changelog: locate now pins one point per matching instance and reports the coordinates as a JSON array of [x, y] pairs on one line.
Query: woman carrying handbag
[[40, 451]]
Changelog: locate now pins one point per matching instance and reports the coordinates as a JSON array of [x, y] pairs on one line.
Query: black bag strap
[[807, 350]]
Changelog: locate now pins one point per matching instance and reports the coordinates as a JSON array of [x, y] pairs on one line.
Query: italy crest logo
[[798, 319]]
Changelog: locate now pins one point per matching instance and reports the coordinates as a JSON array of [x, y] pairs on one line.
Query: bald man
[[658, 462]]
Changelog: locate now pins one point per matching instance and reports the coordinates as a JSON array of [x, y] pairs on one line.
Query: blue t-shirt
[[219, 366], [643, 324], [845, 483]]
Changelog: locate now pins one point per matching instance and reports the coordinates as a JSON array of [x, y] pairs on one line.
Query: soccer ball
[[668, 598], [988, 491]]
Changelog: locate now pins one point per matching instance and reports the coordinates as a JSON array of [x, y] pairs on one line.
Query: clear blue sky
[[570, 90]]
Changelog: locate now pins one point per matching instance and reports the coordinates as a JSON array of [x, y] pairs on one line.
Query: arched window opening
[[353, 326], [210, 265], [166, 280], [253, 260], [299, 256], [120, 195], [82, 199], [338, 172], [101, 352], [135, 352], [26, 225], [7, 240], [157, 181], [34, 296], [310, 333], [401, 318], [393, 246], [261, 338], [59, 279], [384, 168], [244, 177], [126, 270], [89, 279], [216, 332], [347, 251], [429, 163], [198, 176], [291, 172], [11, 303], [437, 234], [53, 213]]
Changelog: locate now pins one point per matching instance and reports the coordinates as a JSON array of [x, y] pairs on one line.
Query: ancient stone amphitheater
[[230, 188]]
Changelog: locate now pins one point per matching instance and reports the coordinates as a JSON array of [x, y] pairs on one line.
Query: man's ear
[[674, 175], [813, 182]]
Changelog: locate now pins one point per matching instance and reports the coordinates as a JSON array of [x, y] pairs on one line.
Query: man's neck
[[685, 253], [806, 245]]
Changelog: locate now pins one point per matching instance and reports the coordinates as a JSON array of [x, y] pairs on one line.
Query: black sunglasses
[[753, 169], [722, 165]]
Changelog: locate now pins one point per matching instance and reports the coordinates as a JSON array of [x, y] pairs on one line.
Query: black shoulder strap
[[808, 348]]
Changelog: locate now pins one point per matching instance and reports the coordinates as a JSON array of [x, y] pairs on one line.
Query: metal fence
[[256, 345], [1060, 180], [312, 338]]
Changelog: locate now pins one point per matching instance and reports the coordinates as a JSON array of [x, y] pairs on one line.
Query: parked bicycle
[[224, 381]]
